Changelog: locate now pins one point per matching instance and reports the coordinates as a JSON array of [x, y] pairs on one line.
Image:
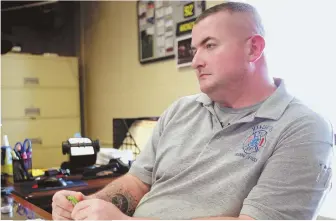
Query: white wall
[[301, 48]]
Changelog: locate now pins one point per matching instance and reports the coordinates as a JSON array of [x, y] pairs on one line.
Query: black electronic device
[[57, 172], [114, 168], [82, 153], [51, 182]]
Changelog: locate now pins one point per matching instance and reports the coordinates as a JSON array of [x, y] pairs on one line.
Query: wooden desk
[[22, 209], [43, 199], [93, 186]]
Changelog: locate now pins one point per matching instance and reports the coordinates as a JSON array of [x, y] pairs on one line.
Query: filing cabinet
[[40, 101], [48, 132], [50, 156], [32, 102], [24, 70]]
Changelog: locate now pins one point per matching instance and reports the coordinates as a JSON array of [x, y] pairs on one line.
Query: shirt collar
[[273, 107]]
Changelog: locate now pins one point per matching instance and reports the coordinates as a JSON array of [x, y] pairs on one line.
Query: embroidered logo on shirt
[[255, 141]]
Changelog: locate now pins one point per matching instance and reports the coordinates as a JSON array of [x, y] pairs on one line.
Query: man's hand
[[97, 209], [61, 206]]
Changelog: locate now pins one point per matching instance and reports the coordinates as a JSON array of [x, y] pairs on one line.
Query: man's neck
[[247, 93]]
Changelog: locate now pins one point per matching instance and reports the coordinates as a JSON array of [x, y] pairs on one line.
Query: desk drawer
[[48, 156], [47, 132], [35, 102], [37, 71]]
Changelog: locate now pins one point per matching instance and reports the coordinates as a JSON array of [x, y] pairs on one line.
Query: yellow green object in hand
[[73, 200]]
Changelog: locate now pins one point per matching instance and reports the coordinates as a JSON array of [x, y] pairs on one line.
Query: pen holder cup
[[22, 165]]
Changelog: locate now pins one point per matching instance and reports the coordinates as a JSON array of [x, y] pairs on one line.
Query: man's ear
[[257, 46]]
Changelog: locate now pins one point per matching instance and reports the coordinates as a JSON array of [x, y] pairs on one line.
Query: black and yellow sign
[[185, 27], [189, 10]]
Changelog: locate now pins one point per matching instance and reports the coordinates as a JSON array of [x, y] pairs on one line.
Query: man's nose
[[197, 61]]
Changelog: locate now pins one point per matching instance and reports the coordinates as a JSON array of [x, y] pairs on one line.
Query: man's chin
[[206, 88]]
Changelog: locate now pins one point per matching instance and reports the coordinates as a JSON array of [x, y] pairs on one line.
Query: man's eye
[[210, 46]]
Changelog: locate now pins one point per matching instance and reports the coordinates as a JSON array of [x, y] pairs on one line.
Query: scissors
[[24, 148], [23, 153]]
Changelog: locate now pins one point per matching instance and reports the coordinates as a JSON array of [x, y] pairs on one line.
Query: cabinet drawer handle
[[36, 140], [31, 81], [32, 111]]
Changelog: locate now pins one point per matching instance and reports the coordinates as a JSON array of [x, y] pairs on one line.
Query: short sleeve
[[142, 167], [296, 178]]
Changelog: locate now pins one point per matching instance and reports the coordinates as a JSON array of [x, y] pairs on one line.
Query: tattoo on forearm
[[120, 198], [125, 202]]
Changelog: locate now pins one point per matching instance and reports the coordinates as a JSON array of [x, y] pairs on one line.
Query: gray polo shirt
[[274, 163]]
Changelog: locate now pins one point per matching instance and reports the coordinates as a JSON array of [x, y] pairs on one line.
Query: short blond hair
[[235, 7]]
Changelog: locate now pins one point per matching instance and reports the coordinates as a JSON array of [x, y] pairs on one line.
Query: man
[[243, 149]]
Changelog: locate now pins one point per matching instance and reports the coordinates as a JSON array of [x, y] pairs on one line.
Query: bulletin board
[[159, 22]]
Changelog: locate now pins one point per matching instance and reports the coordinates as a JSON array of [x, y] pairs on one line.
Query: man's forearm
[[124, 192], [242, 217]]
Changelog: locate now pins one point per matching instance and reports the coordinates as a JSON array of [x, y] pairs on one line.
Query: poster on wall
[[160, 22], [183, 51]]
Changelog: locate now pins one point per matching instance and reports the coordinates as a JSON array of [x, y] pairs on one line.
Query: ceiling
[[10, 4], [41, 19], [39, 15]]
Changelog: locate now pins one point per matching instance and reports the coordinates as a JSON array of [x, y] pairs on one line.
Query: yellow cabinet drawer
[[47, 157], [38, 71], [47, 132], [37, 102]]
